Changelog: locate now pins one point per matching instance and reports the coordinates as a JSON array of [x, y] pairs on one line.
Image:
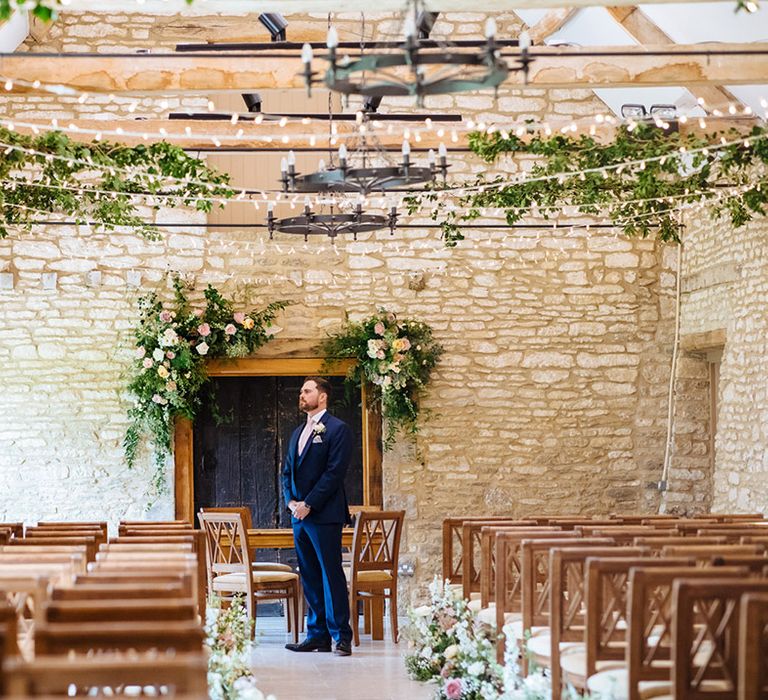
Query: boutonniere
[[318, 429]]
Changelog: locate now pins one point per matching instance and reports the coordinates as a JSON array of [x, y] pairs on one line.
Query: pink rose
[[453, 688], [230, 329], [379, 328], [239, 317], [199, 312], [147, 362], [405, 344], [204, 329], [165, 316], [170, 386], [380, 355], [170, 354], [140, 352]]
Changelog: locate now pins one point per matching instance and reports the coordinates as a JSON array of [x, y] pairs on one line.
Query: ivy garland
[[168, 376], [395, 358], [682, 169], [95, 181]]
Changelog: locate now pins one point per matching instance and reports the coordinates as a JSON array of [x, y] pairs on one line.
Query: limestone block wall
[[725, 282], [551, 396]]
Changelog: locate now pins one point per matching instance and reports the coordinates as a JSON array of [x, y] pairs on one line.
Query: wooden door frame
[[183, 439]]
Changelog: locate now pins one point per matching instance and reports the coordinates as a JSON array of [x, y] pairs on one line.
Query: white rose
[[158, 354], [476, 668], [451, 651], [422, 611], [202, 348]]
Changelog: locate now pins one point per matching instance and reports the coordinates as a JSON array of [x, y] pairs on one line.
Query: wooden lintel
[[553, 67], [269, 136]]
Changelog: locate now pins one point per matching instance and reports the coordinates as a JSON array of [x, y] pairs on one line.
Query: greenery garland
[[168, 374], [395, 358], [96, 181], [676, 168]]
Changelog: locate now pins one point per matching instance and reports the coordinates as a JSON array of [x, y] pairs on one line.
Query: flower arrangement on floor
[[396, 357], [452, 649], [168, 374], [228, 638]]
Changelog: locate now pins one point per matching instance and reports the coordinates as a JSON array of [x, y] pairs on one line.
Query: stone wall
[[551, 396], [725, 313]]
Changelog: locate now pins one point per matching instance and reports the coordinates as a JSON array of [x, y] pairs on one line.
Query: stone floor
[[375, 671]]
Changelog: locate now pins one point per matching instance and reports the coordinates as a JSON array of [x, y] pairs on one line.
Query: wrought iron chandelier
[[333, 224], [417, 68], [365, 178]]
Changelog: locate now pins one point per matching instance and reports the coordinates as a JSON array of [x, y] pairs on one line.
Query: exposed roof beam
[[553, 67], [550, 23], [646, 31], [287, 7], [254, 135]]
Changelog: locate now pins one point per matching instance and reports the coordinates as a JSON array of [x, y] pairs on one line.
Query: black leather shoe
[[311, 645], [343, 649]]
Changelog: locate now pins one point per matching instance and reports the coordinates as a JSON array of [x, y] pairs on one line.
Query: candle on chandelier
[[333, 38], [291, 159], [409, 28], [524, 41], [306, 54], [490, 28]]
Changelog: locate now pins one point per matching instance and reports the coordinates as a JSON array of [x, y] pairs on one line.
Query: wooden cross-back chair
[[373, 570], [567, 600], [245, 514], [707, 616], [474, 546], [534, 585], [453, 556], [147, 675], [648, 652], [753, 647], [488, 555], [230, 570], [605, 632], [507, 581]]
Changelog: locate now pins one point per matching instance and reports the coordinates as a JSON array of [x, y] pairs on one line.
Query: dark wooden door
[[238, 461]]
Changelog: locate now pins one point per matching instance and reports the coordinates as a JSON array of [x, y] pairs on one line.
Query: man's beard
[[305, 405]]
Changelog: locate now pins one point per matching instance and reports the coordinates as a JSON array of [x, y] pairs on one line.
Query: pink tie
[[305, 435]]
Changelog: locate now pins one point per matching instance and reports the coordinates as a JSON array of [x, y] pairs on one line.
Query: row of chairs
[[127, 614], [615, 606]]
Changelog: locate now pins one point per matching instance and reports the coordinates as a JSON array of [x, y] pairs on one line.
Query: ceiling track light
[[275, 24]]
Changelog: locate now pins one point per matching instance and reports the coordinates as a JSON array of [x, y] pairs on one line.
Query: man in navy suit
[[313, 486]]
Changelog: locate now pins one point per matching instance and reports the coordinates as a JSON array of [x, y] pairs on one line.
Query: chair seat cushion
[[369, 576], [614, 683], [513, 628], [573, 663], [488, 616], [270, 566], [475, 605], [236, 581], [541, 646]]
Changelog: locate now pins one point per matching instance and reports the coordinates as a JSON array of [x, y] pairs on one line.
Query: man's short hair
[[323, 385]]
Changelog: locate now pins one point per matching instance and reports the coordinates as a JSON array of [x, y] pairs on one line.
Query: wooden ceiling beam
[[553, 67], [550, 23], [253, 135], [645, 31]]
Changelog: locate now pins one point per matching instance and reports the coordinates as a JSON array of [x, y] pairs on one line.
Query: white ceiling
[[685, 23]]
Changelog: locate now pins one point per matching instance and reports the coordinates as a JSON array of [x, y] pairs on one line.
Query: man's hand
[[292, 506], [300, 510]]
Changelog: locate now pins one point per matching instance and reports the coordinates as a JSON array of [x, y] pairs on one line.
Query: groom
[[313, 486]]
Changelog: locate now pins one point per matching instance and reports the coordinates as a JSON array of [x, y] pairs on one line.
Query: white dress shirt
[[312, 421]]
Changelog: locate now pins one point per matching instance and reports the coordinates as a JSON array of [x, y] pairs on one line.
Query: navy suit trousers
[[318, 549]]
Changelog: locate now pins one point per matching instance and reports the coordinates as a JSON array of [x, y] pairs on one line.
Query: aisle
[[375, 671]]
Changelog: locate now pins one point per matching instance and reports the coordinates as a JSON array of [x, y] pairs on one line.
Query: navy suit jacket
[[317, 475]]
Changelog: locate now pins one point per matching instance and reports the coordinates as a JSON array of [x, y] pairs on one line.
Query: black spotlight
[[275, 24], [371, 104], [252, 101]]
